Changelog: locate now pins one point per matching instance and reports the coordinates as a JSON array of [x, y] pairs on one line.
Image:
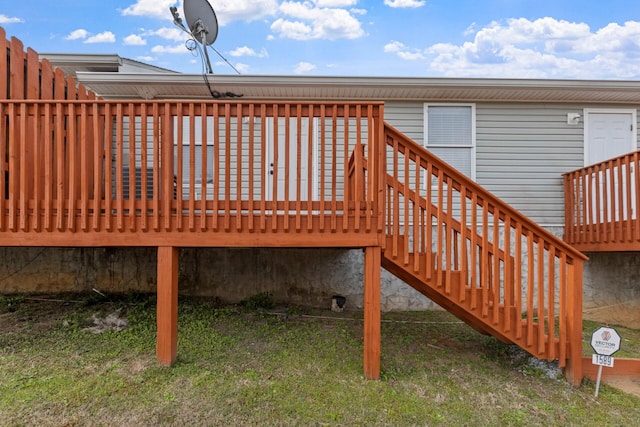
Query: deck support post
[[573, 370], [372, 264], [167, 305]]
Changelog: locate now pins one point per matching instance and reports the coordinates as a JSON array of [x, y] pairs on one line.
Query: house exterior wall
[[522, 150]]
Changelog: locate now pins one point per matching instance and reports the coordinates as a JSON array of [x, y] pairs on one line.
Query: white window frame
[[473, 132]]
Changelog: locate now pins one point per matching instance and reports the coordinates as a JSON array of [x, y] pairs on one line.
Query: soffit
[[188, 86]]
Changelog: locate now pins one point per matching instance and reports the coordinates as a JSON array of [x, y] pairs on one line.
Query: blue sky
[[587, 39]]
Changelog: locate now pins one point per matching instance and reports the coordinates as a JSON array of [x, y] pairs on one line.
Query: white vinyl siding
[[521, 151], [450, 133]]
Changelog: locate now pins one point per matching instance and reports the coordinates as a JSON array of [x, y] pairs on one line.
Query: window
[[450, 133]]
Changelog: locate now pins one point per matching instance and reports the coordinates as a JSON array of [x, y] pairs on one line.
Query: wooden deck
[[602, 205], [79, 171]]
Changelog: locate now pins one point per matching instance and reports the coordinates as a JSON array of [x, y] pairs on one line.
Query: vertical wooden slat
[[4, 147], [156, 168], [192, 167], [416, 215], [405, 207], [108, 165], [84, 168], [180, 166], [133, 178], [439, 231], [72, 142], [495, 285], [166, 146], [60, 170], [563, 313], [24, 170], [120, 167], [264, 178], [99, 165], [203, 165], [518, 277], [530, 287], [144, 174], [395, 221], [287, 164], [541, 296], [475, 258], [37, 165], [334, 165], [48, 166], [323, 171], [485, 267], [4, 65], [628, 217], [551, 302], [345, 154], [227, 167], [14, 156], [449, 256], [17, 80], [239, 168], [251, 147], [311, 167], [429, 221], [508, 275]]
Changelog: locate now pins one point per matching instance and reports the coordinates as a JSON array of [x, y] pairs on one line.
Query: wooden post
[[372, 263], [573, 370], [167, 305]]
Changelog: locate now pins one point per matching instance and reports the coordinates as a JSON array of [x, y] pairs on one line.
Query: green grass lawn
[[247, 365]]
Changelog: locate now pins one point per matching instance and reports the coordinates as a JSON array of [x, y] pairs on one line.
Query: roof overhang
[[191, 86]]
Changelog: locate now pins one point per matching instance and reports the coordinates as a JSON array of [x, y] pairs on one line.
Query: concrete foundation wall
[[297, 276], [307, 277]]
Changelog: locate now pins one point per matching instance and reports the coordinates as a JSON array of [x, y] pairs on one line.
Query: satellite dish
[[201, 20]]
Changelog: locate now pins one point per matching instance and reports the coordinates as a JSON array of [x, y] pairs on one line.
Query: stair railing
[[517, 277]]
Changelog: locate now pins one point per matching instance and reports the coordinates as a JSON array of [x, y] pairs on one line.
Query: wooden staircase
[[480, 259]]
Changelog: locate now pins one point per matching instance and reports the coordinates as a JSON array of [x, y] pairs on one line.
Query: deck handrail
[[506, 260], [158, 165], [602, 205]]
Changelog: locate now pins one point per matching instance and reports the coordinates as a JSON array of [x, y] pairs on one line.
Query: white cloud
[[308, 21], [134, 40], [169, 49], [404, 3], [104, 37], [78, 34], [4, 19], [542, 48], [304, 67], [243, 10], [169, 33], [151, 8], [247, 51], [403, 51], [146, 58]]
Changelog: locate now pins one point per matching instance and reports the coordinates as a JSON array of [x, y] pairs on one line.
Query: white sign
[[605, 341], [599, 359]]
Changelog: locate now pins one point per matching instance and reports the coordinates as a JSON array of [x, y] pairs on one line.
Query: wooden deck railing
[[602, 205], [482, 254], [150, 168]]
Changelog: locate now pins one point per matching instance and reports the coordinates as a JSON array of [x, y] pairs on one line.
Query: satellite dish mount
[[202, 24]]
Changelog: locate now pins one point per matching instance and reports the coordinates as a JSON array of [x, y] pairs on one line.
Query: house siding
[[522, 150]]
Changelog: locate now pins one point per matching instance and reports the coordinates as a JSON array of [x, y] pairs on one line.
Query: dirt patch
[[624, 314], [629, 385]]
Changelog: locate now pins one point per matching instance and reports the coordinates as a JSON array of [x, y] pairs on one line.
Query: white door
[[300, 160], [608, 134]]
